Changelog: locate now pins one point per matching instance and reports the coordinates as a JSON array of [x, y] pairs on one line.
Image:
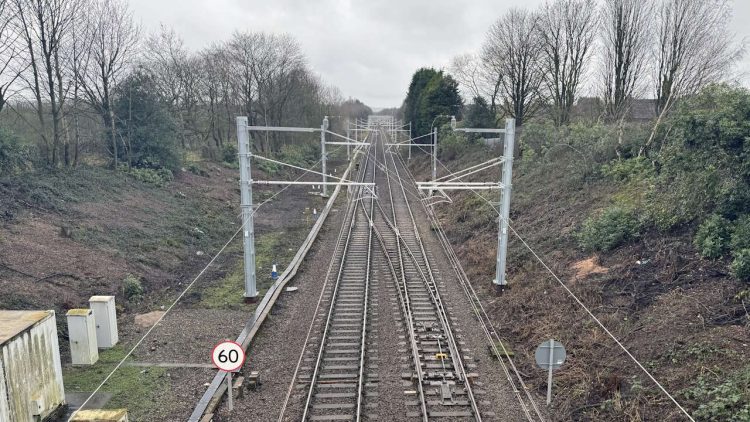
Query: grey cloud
[[368, 48]]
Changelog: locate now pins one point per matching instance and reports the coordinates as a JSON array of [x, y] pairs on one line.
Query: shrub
[[608, 230], [132, 288], [158, 177], [628, 170], [741, 234], [195, 169], [267, 167], [229, 154], [302, 155], [13, 155], [741, 264], [712, 237], [703, 162], [450, 144]]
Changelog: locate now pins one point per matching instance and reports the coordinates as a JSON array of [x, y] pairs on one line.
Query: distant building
[[374, 120], [592, 108]]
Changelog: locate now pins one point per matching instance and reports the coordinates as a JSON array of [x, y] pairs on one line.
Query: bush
[[741, 234], [14, 156], [196, 169], [712, 237], [450, 144], [158, 177], [229, 154], [302, 155], [703, 161], [132, 288], [628, 170], [741, 264], [610, 229]]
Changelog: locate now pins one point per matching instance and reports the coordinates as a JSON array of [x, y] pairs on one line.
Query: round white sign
[[228, 356]]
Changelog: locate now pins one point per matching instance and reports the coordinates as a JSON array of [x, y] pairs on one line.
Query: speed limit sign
[[228, 356]]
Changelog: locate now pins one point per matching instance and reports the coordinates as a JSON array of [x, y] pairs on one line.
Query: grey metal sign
[[550, 355], [545, 359]]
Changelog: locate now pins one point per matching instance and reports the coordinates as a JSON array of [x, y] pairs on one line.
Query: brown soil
[[587, 267], [674, 311], [148, 319], [58, 258]]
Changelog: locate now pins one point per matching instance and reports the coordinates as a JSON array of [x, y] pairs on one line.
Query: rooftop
[[79, 312], [99, 415], [13, 323]]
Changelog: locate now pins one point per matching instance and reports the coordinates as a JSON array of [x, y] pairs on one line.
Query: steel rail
[[455, 354], [336, 251], [332, 307], [486, 323], [363, 345], [405, 301], [213, 394]]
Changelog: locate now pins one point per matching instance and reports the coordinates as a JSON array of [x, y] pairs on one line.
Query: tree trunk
[[113, 131]]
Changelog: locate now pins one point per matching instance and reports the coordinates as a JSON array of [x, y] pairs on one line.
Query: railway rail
[[337, 378], [440, 378], [338, 369]]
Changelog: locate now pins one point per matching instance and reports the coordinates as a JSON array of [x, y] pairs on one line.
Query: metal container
[[82, 334], [31, 382], [105, 317]]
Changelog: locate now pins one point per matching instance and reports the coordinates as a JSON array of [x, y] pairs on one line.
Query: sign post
[[550, 355], [229, 357]]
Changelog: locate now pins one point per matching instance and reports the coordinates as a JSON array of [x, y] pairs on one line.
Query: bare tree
[[625, 36], [43, 26], [112, 40], [164, 54], [694, 48], [177, 74], [512, 50], [78, 61], [217, 96], [567, 29], [11, 65], [473, 74], [264, 71]]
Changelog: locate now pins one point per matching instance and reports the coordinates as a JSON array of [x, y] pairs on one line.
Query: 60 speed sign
[[228, 356]]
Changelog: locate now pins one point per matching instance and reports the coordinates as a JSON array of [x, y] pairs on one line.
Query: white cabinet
[[105, 316], [82, 334]]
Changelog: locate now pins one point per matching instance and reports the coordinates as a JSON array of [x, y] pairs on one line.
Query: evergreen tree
[[431, 93], [144, 124]]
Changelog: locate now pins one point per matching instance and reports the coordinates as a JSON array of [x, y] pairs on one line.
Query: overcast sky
[[367, 48]]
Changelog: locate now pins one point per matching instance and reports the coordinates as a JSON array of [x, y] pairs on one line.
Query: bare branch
[[567, 29], [512, 51]]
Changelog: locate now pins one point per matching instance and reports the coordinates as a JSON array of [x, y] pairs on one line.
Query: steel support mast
[[502, 233], [323, 157], [434, 155], [246, 203]]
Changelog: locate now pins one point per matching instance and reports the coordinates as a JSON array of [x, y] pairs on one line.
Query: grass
[[140, 390], [227, 293], [55, 190]]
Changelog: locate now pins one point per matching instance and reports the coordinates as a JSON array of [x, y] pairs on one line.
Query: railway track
[[440, 380], [338, 379], [339, 372]]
